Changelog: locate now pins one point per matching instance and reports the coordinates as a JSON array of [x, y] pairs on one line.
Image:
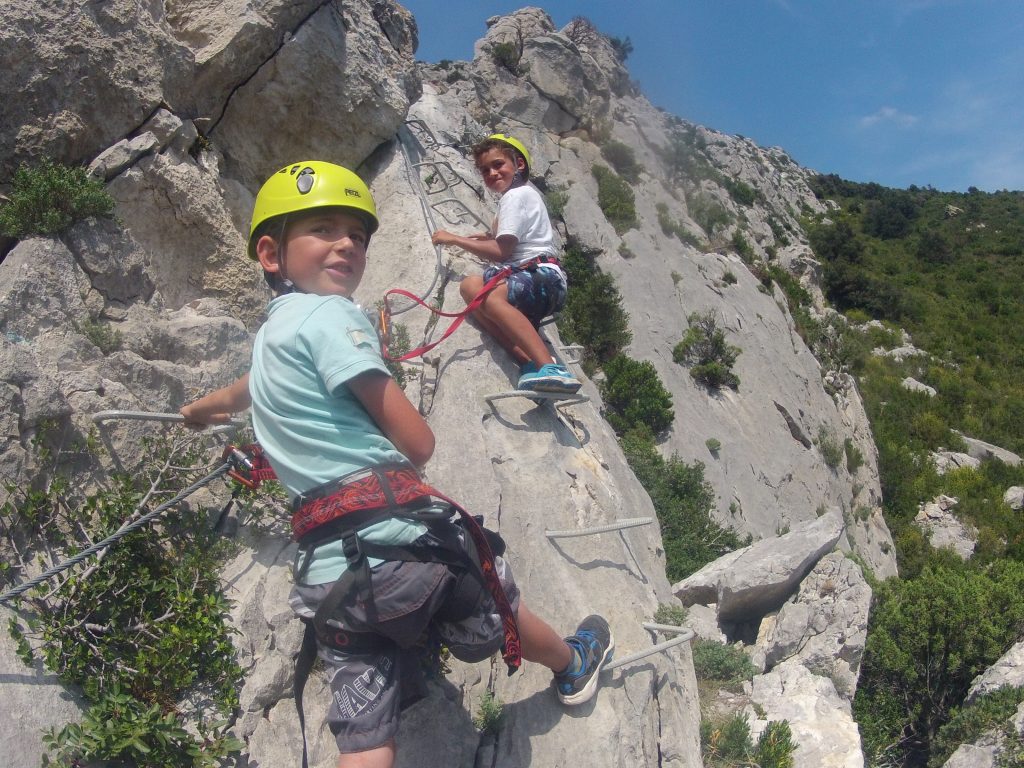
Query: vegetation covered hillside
[[945, 268]]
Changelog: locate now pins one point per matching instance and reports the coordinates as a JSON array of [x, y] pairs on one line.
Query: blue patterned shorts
[[537, 292]]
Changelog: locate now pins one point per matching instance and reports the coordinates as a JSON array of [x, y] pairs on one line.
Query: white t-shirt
[[522, 214]]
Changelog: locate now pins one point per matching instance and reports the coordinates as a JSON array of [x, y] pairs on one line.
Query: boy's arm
[[217, 407], [397, 418], [482, 245]]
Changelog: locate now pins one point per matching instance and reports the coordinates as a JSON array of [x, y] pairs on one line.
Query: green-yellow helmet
[[311, 184], [517, 145]]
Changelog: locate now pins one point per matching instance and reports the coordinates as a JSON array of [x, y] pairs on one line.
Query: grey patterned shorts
[[369, 690]]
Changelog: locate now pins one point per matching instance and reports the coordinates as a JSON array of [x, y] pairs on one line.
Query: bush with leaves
[[48, 198], [616, 199], [623, 160], [144, 619], [722, 663], [708, 212], [727, 744], [684, 502], [928, 638], [509, 56], [634, 395], [593, 315], [121, 730], [705, 351], [986, 714]]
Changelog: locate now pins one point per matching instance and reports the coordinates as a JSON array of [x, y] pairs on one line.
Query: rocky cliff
[[208, 99]]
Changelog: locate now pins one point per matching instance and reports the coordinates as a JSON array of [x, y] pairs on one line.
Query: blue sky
[[901, 92]]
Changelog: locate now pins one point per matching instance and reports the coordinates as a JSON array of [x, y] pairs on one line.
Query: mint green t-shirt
[[310, 425]]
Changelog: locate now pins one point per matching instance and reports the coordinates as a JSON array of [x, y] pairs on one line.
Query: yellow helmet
[[311, 184], [517, 145]]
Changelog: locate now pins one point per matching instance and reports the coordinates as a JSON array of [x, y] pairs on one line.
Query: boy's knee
[[469, 288]]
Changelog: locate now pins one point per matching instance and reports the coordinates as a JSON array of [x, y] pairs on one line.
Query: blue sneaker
[[550, 378], [594, 643]]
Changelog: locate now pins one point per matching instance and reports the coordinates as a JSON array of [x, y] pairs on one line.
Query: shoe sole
[[561, 386], [588, 690]]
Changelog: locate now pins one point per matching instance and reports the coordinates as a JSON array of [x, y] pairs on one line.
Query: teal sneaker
[[594, 644], [550, 378]]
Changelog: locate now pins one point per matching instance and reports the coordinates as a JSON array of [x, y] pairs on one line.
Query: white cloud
[[888, 115]]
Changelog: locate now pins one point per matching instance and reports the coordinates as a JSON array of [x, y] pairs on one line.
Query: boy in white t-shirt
[[521, 241]]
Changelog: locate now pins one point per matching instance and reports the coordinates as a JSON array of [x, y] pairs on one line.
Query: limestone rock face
[[751, 581], [819, 718], [338, 56], [78, 77], [33, 701], [825, 626], [944, 529], [1008, 671], [1014, 497]]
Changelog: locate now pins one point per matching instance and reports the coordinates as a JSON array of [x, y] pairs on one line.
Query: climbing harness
[[339, 510], [490, 285], [342, 507]]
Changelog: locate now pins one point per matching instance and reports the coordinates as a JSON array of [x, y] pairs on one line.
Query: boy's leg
[[381, 757], [510, 327], [540, 643], [576, 661]]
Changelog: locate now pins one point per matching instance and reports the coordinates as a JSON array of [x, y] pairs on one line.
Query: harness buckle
[[351, 549]]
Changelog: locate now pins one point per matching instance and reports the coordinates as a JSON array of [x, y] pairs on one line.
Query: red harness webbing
[[398, 487], [490, 285]]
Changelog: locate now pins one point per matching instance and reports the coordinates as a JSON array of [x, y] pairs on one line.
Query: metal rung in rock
[[570, 358], [174, 418], [423, 134], [437, 174], [460, 214], [683, 635], [618, 525], [558, 399]]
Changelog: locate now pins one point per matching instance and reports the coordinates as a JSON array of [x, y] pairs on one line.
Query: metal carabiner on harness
[[241, 466]]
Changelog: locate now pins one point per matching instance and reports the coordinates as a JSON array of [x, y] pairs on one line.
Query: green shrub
[[122, 729], [728, 277], [670, 615], [593, 315], [623, 160], [713, 444], [727, 744], [488, 716], [706, 352], [829, 447], [398, 345], [616, 199], [775, 747], [722, 663], [555, 198], [622, 47], [102, 335], [708, 212], [743, 248], [48, 198], [141, 629], [675, 229], [986, 713], [742, 193], [634, 395], [509, 56], [854, 456], [928, 638], [684, 502]]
